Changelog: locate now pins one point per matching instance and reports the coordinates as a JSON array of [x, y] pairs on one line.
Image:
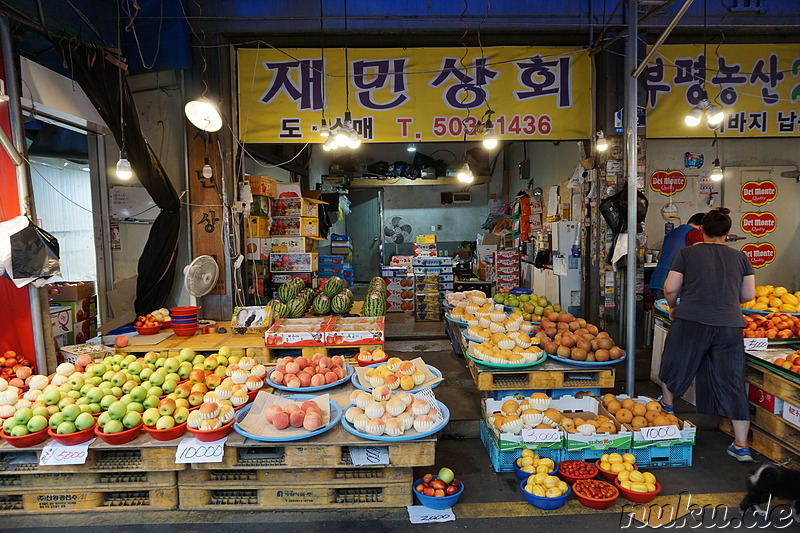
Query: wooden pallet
[[326, 495], [10, 483], [489, 379], [63, 500], [109, 459], [328, 450], [273, 476], [758, 440], [772, 383]]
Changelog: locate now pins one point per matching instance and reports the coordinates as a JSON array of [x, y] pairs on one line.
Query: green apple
[[96, 380], [8, 424], [145, 374], [65, 401], [138, 393], [37, 423], [500, 298], [136, 406], [55, 420], [113, 426], [166, 406], [99, 369], [86, 388], [84, 421], [117, 358], [65, 428], [23, 415], [53, 409], [117, 410], [107, 400], [41, 411], [557, 308], [180, 415], [222, 360], [155, 391], [95, 395], [150, 401], [104, 418], [233, 359], [198, 360], [71, 412], [165, 422], [187, 354], [224, 351], [150, 357], [150, 417], [119, 379], [108, 375], [126, 399], [135, 368], [83, 400], [117, 391], [172, 364], [169, 386], [128, 386], [159, 363], [75, 383], [210, 363], [131, 420], [51, 397], [74, 394], [95, 407], [19, 430], [157, 379], [446, 475], [184, 370]]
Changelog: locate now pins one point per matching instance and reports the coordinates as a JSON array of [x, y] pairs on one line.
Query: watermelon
[[341, 304], [322, 305], [280, 309], [333, 286], [287, 291], [297, 308], [374, 304]]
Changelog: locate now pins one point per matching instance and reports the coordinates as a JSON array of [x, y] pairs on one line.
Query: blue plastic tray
[[588, 364], [438, 427], [454, 321], [336, 416], [505, 367], [435, 371], [348, 374]]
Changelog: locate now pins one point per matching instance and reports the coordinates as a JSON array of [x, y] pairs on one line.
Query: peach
[[285, 360], [291, 408], [281, 368], [25, 372], [308, 403], [281, 420], [302, 362], [293, 382], [313, 409], [296, 418], [276, 376], [310, 370], [292, 368], [317, 380], [305, 379], [84, 359], [339, 371], [337, 360], [325, 362], [312, 421], [316, 357], [331, 377], [271, 411]]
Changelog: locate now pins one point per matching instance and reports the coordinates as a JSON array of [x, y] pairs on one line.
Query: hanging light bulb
[[324, 130], [204, 114], [693, 117], [602, 143], [465, 174], [207, 171], [411, 147], [716, 173], [124, 170], [714, 115], [490, 139]]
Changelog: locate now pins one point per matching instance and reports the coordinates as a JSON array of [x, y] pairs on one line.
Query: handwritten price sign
[[661, 433], [369, 455], [194, 451], [754, 345], [419, 514], [549, 436], [55, 454]]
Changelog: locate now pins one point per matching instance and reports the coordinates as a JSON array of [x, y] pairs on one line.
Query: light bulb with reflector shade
[[342, 137], [714, 115], [602, 143], [123, 169], [355, 139], [207, 170], [203, 113], [324, 130], [716, 173], [692, 118], [490, 139], [465, 174], [411, 148]]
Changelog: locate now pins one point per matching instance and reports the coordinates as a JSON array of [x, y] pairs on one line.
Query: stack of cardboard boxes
[[73, 312], [294, 213], [506, 269], [400, 289], [432, 277], [336, 265], [256, 236]]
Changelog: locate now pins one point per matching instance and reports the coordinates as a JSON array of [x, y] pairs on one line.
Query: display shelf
[[548, 375], [9, 483], [64, 500], [265, 477]]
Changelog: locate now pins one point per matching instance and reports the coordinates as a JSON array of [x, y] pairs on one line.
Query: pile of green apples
[[532, 307], [25, 421]]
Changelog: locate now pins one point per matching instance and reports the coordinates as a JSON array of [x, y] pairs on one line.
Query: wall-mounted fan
[[397, 231], [200, 276]]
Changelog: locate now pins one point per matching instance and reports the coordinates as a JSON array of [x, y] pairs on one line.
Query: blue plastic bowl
[[185, 320], [518, 292], [432, 502], [524, 475], [545, 504]]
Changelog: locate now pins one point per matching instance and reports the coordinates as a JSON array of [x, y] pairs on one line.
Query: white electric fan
[[200, 276]]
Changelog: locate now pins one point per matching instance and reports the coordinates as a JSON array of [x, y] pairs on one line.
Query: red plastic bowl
[[638, 497], [118, 438], [148, 330], [167, 434], [181, 311], [572, 479], [70, 439], [214, 434], [597, 503], [611, 476], [369, 363], [25, 441], [167, 324], [184, 332]]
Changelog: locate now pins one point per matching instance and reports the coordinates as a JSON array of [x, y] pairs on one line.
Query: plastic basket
[[503, 461], [593, 455], [670, 456]]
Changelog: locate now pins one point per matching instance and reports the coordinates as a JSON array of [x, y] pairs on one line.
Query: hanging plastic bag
[[344, 207], [615, 210], [34, 253]]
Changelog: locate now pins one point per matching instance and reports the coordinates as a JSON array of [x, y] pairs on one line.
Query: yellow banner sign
[[416, 94], [758, 87]]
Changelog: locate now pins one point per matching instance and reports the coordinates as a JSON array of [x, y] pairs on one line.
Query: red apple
[[428, 491], [451, 490], [439, 493], [420, 488], [427, 478]]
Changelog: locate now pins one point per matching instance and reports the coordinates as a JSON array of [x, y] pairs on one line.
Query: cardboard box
[[284, 245], [685, 436], [260, 206], [251, 319], [308, 277], [292, 262], [510, 441], [61, 319], [432, 262], [298, 226], [425, 239], [257, 269], [764, 399], [300, 332], [428, 307], [257, 249], [82, 309], [402, 261], [83, 331], [427, 317], [69, 290], [355, 331], [98, 352], [399, 306], [257, 227], [296, 207], [331, 260], [288, 190], [586, 408], [262, 186], [256, 289], [791, 413]]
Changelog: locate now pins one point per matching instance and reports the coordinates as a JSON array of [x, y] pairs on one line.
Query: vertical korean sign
[[399, 95], [758, 87]]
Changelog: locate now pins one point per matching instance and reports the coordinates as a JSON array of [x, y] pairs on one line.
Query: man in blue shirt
[[673, 241]]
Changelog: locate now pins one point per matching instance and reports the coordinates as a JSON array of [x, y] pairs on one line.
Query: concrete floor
[[490, 500]]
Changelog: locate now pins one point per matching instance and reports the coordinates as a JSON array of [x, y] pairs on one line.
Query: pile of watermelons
[[295, 299]]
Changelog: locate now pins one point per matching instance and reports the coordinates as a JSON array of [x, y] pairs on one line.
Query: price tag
[[541, 435], [755, 344], [369, 455], [661, 433], [419, 514], [55, 454], [191, 450]]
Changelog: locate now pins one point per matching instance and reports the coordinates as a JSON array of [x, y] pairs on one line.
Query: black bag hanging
[[615, 211], [34, 253]]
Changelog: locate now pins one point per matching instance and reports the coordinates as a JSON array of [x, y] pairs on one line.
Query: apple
[[107, 400], [450, 490], [131, 419], [187, 354], [51, 397], [172, 364], [19, 431], [155, 391], [84, 421], [150, 417], [113, 426], [200, 387], [169, 386], [126, 399], [73, 394], [166, 407], [195, 398], [446, 475], [71, 412], [438, 484], [103, 419], [428, 491], [128, 386], [135, 368], [65, 428], [86, 408], [151, 401], [184, 370], [75, 383], [117, 410], [183, 390], [37, 423], [138, 393], [145, 374], [22, 416], [9, 424], [55, 420], [165, 422], [40, 410], [157, 378], [180, 415], [213, 381], [181, 402], [136, 406]]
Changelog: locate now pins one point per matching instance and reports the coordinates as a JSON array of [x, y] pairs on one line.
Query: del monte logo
[[759, 254], [667, 182], [759, 193], [759, 224]]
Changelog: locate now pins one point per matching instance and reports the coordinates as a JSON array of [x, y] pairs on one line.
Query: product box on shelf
[[289, 190], [509, 441], [256, 289], [791, 413], [286, 245], [421, 316], [251, 319], [402, 261], [298, 226], [262, 186], [69, 290], [425, 250], [432, 262], [257, 227], [587, 408], [394, 272], [83, 331], [425, 239], [98, 352], [428, 307], [61, 319], [764, 399], [399, 306], [427, 297], [256, 249], [82, 309], [257, 269], [308, 277], [331, 260], [260, 206], [287, 332], [292, 262], [341, 244], [355, 331], [296, 207], [446, 286]]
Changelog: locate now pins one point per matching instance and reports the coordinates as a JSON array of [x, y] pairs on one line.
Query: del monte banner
[[414, 94], [757, 85]]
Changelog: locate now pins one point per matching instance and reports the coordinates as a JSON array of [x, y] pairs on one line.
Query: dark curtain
[[99, 79]]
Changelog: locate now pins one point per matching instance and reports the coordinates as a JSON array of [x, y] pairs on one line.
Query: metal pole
[[629, 114], [663, 37], [23, 183]]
